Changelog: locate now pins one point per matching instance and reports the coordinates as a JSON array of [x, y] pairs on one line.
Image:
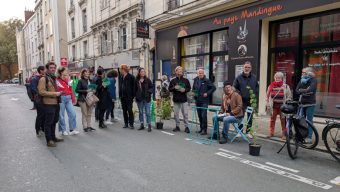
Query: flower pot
[[159, 125], [254, 149]]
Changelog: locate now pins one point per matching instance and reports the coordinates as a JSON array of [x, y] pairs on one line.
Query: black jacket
[[242, 82], [82, 88], [143, 90], [127, 87], [179, 97], [102, 94], [310, 88], [201, 87]]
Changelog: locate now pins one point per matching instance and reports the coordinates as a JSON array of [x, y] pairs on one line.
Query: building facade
[[281, 35], [22, 72]]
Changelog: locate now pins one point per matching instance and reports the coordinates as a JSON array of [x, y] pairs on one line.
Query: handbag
[[91, 99]]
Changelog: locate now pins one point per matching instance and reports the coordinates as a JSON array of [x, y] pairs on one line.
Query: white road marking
[[336, 181], [238, 154], [188, 139], [283, 167], [276, 171], [134, 177], [167, 133], [14, 99]]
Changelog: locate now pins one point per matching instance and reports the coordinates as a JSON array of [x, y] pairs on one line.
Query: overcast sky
[[14, 8]]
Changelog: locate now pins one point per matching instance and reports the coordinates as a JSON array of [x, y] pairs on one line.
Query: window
[[46, 30], [84, 16], [85, 50], [73, 34], [123, 38], [173, 4], [104, 4], [104, 43], [285, 34], [73, 52]]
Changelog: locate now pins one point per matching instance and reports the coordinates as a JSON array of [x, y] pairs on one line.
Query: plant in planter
[[164, 108], [254, 147]]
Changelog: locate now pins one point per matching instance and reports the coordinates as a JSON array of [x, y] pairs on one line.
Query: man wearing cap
[[127, 94], [179, 86], [231, 110]]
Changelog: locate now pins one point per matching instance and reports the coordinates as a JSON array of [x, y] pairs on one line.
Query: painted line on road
[[14, 99], [336, 181], [283, 167], [188, 139], [232, 152], [167, 133], [276, 171]]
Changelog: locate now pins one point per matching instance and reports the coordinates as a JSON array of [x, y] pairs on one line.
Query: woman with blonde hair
[[278, 92]]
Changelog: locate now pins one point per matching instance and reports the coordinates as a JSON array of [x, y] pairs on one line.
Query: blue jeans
[[309, 114], [227, 120], [144, 106], [202, 115], [66, 104]]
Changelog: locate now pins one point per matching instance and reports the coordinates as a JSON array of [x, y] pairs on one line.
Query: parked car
[[15, 80]]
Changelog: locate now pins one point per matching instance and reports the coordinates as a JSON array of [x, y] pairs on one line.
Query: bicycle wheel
[[292, 144], [332, 140], [315, 138]]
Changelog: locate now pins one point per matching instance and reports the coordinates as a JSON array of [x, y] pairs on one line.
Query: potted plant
[[254, 147], [164, 109]]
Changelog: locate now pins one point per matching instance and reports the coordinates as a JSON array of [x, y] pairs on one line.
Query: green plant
[[253, 103]]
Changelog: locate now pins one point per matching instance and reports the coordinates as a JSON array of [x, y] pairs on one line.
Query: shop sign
[[142, 28], [325, 51], [245, 14]]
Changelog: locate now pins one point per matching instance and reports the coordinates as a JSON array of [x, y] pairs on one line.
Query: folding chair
[[244, 122]]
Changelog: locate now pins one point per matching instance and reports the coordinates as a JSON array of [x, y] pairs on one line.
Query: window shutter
[[115, 39], [128, 35], [109, 41]]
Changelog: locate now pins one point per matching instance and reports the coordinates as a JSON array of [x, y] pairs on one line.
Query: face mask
[[304, 79]]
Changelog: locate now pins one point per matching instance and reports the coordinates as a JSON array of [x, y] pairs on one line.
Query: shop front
[[281, 35]]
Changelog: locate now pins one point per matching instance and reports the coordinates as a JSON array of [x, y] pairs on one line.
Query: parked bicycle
[[295, 136]]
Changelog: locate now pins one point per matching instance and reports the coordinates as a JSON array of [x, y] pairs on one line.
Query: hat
[[227, 83], [100, 72]]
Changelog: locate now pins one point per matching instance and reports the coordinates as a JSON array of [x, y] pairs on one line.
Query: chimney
[[28, 15]]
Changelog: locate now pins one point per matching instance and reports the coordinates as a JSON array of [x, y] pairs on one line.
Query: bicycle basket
[[289, 107], [301, 127]]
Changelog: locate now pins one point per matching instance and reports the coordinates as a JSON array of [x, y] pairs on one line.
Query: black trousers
[[50, 121], [39, 121], [202, 115], [101, 116], [109, 111], [127, 111]]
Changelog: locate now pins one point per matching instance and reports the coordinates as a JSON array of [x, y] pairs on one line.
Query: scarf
[[273, 85], [305, 79]]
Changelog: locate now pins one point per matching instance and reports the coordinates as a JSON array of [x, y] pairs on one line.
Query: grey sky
[[14, 8]]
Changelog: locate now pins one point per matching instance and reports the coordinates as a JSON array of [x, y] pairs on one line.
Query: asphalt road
[[116, 159]]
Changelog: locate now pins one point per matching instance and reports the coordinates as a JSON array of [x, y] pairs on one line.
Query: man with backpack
[[38, 105], [50, 96]]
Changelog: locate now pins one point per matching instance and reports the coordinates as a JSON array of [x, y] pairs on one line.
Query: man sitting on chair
[[231, 110]]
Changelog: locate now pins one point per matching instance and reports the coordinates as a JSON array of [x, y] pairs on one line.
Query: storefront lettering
[[248, 14], [325, 51]]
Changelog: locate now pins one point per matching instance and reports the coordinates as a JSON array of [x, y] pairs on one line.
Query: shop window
[[196, 45], [220, 41], [192, 64], [326, 63], [285, 34], [284, 61], [220, 74]]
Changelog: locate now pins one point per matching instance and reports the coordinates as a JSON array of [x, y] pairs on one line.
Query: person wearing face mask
[[241, 83], [308, 85], [278, 93]]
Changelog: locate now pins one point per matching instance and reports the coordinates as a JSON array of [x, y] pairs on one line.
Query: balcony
[[172, 4], [82, 2], [71, 9]]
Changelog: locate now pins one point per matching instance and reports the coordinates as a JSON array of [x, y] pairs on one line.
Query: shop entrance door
[[166, 68]]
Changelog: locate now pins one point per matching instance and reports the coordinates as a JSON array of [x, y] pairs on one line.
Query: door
[[166, 68]]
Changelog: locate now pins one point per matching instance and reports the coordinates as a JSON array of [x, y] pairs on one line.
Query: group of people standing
[[53, 95]]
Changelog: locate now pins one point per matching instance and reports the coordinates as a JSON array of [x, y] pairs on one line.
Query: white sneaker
[[65, 133], [108, 123], [249, 136], [74, 132]]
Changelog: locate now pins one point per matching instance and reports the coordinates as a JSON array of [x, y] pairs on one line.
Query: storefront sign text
[[326, 51], [248, 14]]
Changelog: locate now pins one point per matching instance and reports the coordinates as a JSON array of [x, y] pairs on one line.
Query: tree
[[8, 46]]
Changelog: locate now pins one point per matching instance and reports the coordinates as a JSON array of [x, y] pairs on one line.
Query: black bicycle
[[331, 137], [293, 111]]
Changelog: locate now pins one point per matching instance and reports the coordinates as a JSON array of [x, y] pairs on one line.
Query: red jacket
[[66, 88]]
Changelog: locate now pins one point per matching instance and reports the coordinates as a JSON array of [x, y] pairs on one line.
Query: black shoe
[[58, 140], [204, 132], [86, 129], [125, 126], [91, 129], [141, 127], [200, 131], [215, 137], [223, 140], [102, 126], [176, 129], [132, 127], [149, 128], [187, 130]]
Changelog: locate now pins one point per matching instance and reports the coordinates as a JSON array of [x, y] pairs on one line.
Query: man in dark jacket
[[127, 94], [103, 96], [179, 86], [242, 83], [202, 89], [307, 86], [39, 121]]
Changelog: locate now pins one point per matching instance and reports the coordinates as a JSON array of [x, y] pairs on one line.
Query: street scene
[[169, 95]]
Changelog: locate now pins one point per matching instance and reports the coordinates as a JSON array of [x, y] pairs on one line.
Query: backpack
[[29, 91], [301, 127]]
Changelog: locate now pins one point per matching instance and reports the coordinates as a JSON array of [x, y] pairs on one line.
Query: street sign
[[142, 28], [63, 62]]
